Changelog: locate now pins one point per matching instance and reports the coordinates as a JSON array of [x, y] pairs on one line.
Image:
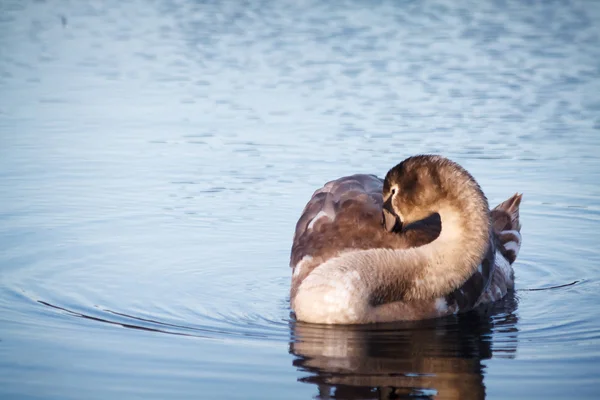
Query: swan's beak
[[391, 221]]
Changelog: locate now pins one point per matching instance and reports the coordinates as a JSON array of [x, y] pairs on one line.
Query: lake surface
[[155, 156]]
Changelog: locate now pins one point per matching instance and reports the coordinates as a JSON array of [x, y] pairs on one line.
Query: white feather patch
[[319, 215], [328, 298], [512, 232], [441, 305], [514, 246], [298, 267]]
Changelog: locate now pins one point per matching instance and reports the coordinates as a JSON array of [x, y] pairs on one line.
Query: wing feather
[[327, 203]]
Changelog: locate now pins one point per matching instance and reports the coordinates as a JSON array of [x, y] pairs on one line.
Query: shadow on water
[[436, 358]]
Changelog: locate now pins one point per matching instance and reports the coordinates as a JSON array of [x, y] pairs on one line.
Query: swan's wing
[[361, 191]]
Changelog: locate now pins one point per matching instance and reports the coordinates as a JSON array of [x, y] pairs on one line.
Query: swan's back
[[331, 221], [356, 197]]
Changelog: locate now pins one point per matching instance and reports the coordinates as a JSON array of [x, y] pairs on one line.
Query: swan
[[421, 243]]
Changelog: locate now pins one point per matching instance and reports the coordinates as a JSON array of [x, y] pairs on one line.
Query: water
[[154, 158]]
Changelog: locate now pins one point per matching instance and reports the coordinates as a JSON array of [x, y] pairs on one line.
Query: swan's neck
[[346, 288], [446, 263]]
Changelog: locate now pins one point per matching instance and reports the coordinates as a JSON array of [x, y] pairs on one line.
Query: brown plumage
[[342, 223], [346, 215]]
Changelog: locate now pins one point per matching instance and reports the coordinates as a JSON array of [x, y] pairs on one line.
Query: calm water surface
[[155, 155]]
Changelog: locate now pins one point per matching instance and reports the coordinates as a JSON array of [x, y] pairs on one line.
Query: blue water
[[155, 156]]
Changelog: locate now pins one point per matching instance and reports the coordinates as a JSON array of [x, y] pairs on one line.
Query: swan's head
[[417, 187]]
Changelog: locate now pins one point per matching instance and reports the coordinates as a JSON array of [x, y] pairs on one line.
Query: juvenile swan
[[440, 251]]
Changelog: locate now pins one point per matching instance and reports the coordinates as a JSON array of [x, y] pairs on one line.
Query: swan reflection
[[439, 358]]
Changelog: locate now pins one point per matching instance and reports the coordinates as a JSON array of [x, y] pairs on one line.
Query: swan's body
[[348, 269]]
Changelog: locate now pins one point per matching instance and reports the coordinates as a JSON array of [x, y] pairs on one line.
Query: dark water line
[[150, 320], [130, 326], [133, 326], [551, 287]]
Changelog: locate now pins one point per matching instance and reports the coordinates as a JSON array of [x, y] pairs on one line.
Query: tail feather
[[507, 227], [505, 216]]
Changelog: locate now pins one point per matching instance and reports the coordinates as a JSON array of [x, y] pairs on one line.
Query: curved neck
[[446, 263], [428, 271]]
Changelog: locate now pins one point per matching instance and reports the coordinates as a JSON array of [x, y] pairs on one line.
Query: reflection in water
[[440, 358]]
